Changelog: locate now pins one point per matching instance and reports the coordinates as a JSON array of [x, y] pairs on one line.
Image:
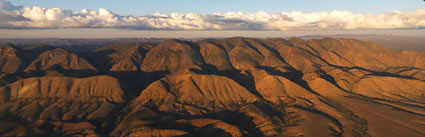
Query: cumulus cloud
[[37, 17], [9, 12]]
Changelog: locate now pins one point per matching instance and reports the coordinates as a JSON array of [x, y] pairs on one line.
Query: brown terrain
[[235, 87]]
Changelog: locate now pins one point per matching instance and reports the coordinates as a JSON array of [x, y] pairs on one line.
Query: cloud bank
[[44, 18]]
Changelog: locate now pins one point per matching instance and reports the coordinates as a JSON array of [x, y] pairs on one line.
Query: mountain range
[[236, 87]]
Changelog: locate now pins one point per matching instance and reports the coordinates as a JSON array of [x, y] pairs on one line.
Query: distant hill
[[75, 45], [389, 41]]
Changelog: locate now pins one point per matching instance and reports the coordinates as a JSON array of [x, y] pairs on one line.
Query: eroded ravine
[[219, 87]]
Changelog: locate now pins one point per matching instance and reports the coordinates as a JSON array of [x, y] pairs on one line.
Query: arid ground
[[236, 87]]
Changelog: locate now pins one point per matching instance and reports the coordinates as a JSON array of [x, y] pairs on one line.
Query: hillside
[[213, 88]]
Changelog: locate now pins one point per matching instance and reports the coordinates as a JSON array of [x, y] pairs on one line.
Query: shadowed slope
[[119, 57], [191, 96], [10, 59], [215, 88]]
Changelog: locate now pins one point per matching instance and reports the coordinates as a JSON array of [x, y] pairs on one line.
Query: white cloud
[[9, 12], [37, 17]]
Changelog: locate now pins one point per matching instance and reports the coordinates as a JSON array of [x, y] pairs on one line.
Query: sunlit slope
[[214, 87]]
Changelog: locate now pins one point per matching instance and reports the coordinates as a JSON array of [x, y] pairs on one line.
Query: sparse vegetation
[[360, 128], [215, 87]]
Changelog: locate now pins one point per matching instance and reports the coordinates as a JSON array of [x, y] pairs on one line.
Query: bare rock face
[[10, 60], [59, 59], [172, 56]]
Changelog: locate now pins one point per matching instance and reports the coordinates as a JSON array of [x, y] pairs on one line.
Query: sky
[[202, 18], [142, 7]]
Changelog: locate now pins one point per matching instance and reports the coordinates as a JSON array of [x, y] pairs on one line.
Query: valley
[[236, 87]]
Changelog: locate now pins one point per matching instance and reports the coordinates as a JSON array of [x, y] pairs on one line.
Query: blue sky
[[142, 7]]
